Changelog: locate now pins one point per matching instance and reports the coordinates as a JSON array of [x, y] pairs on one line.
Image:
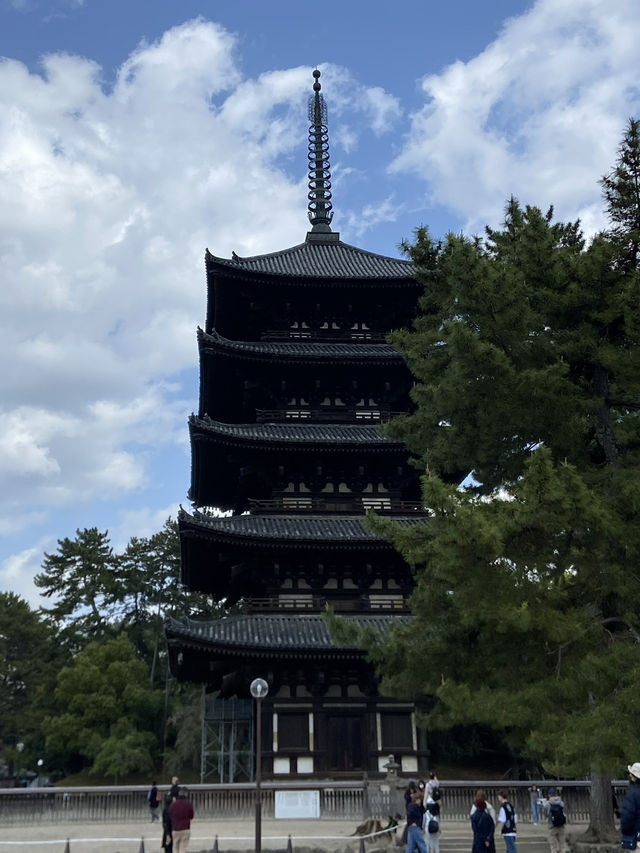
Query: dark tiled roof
[[303, 349], [322, 259], [343, 530], [284, 433], [264, 633]]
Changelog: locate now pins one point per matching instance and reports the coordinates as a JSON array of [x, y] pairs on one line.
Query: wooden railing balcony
[[319, 603], [333, 414], [346, 505], [325, 335]]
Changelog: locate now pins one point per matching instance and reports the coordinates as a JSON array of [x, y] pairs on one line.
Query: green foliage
[[186, 721], [98, 593], [104, 702], [106, 618], [125, 751], [29, 658], [79, 578], [621, 190], [527, 361]]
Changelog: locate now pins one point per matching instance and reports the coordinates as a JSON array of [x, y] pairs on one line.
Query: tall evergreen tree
[[527, 361], [78, 578], [621, 190], [147, 589]]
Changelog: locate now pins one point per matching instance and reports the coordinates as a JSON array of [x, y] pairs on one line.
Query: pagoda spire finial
[[320, 207]]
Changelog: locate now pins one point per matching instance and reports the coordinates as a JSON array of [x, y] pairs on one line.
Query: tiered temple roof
[[302, 350], [321, 257]]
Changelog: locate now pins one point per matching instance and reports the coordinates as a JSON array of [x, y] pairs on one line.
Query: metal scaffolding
[[227, 740]]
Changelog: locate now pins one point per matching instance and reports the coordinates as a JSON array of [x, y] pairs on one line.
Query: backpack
[[435, 794], [432, 826], [510, 821], [557, 815]]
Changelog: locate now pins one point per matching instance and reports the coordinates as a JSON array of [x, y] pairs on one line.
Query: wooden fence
[[342, 800]]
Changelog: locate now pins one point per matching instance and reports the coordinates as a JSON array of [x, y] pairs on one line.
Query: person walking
[[557, 821], [154, 802], [630, 812], [167, 839], [507, 822], [534, 796], [483, 828], [181, 814], [415, 839]]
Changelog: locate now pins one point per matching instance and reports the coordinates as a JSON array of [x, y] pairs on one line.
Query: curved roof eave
[[275, 633], [301, 350], [275, 531], [320, 260], [284, 435]]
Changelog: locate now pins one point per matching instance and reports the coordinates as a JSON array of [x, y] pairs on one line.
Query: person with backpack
[[433, 786], [507, 822], [431, 825], [557, 821], [483, 828]]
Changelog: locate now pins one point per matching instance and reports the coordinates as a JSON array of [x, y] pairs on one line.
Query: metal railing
[[341, 800]]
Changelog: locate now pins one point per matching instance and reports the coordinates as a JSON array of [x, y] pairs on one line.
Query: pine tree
[[527, 361], [621, 190], [78, 578]]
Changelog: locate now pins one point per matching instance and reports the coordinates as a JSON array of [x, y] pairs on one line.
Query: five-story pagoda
[[295, 379]]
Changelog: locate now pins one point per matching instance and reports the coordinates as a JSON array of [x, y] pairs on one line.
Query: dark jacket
[[483, 828], [630, 814], [167, 840], [414, 814]]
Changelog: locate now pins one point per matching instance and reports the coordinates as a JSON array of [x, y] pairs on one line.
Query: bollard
[[215, 846], [361, 845], [141, 848], [289, 846], [67, 847]]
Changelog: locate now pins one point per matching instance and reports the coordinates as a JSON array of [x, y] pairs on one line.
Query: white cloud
[[383, 109], [115, 193], [142, 522], [18, 570], [538, 114], [370, 215]]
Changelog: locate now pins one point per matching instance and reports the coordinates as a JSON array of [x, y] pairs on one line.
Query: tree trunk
[[601, 827]]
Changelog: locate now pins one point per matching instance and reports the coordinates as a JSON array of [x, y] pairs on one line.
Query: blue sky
[[134, 135]]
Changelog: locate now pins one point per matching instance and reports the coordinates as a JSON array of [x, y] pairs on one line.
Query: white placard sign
[[297, 804]]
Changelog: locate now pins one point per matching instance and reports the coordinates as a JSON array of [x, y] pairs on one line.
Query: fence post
[[141, 850], [366, 810], [67, 847], [215, 845], [289, 846]]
